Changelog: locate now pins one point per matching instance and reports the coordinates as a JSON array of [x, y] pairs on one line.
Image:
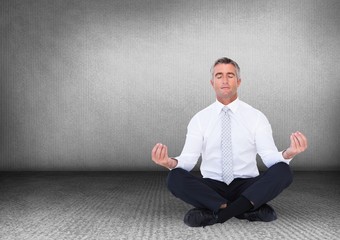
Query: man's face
[[225, 82]]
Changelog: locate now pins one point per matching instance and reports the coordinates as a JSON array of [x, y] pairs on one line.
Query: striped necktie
[[227, 153]]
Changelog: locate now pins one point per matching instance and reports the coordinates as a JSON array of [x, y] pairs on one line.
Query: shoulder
[[205, 114], [249, 111], [206, 111]]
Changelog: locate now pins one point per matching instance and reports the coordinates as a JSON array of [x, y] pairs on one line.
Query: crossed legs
[[211, 194]]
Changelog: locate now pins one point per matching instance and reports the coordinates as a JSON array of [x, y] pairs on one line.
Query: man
[[228, 134]]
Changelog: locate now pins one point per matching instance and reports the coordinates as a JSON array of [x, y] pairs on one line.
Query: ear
[[212, 82], [238, 82]]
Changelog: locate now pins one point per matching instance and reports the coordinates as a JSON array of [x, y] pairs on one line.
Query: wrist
[[286, 155], [172, 163]]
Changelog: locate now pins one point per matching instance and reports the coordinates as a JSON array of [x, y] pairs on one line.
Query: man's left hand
[[298, 144]]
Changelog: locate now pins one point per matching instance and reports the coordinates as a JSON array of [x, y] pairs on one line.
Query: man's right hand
[[160, 156]]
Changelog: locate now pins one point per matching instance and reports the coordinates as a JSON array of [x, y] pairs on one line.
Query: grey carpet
[[137, 205]]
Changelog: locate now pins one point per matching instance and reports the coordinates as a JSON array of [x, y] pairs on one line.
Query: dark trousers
[[211, 194]]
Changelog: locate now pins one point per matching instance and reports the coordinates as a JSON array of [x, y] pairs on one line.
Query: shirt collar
[[233, 106]]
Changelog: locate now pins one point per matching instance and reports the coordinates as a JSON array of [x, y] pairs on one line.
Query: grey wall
[[93, 85]]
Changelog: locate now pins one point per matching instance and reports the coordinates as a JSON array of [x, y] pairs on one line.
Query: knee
[[174, 178], [284, 173]]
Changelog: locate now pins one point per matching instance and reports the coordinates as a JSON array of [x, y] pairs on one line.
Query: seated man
[[228, 134]]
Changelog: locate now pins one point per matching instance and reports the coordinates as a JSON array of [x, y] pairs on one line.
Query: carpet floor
[[137, 205]]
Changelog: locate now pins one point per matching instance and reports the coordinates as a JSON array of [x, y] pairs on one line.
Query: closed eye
[[231, 75], [218, 75]]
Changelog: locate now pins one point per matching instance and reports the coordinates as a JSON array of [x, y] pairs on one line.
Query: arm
[[266, 147], [190, 153]]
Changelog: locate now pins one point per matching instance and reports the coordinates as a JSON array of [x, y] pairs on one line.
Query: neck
[[226, 101]]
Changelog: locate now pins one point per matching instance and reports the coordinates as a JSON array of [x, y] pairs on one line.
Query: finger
[[292, 141], [301, 141], [153, 152], [298, 140], [166, 152], [297, 144], [165, 156], [156, 147], [163, 152], [158, 151], [304, 142]]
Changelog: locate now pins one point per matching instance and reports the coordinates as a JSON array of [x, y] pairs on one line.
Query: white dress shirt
[[251, 134]]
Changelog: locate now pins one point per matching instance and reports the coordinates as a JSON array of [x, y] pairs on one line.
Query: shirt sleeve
[[265, 145], [193, 146]]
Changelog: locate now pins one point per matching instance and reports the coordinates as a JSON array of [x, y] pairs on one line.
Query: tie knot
[[225, 109]]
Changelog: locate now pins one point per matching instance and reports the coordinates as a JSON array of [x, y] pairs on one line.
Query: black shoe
[[199, 217], [265, 213]]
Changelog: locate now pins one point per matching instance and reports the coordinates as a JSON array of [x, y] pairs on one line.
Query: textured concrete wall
[[93, 85]]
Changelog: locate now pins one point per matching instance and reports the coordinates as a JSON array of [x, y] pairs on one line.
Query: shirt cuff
[[285, 160], [176, 165], [179, 162]]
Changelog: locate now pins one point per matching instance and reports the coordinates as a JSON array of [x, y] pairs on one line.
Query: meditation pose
[[228, 135]]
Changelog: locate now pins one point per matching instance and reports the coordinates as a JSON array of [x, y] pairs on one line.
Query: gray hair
[[226, 61]]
